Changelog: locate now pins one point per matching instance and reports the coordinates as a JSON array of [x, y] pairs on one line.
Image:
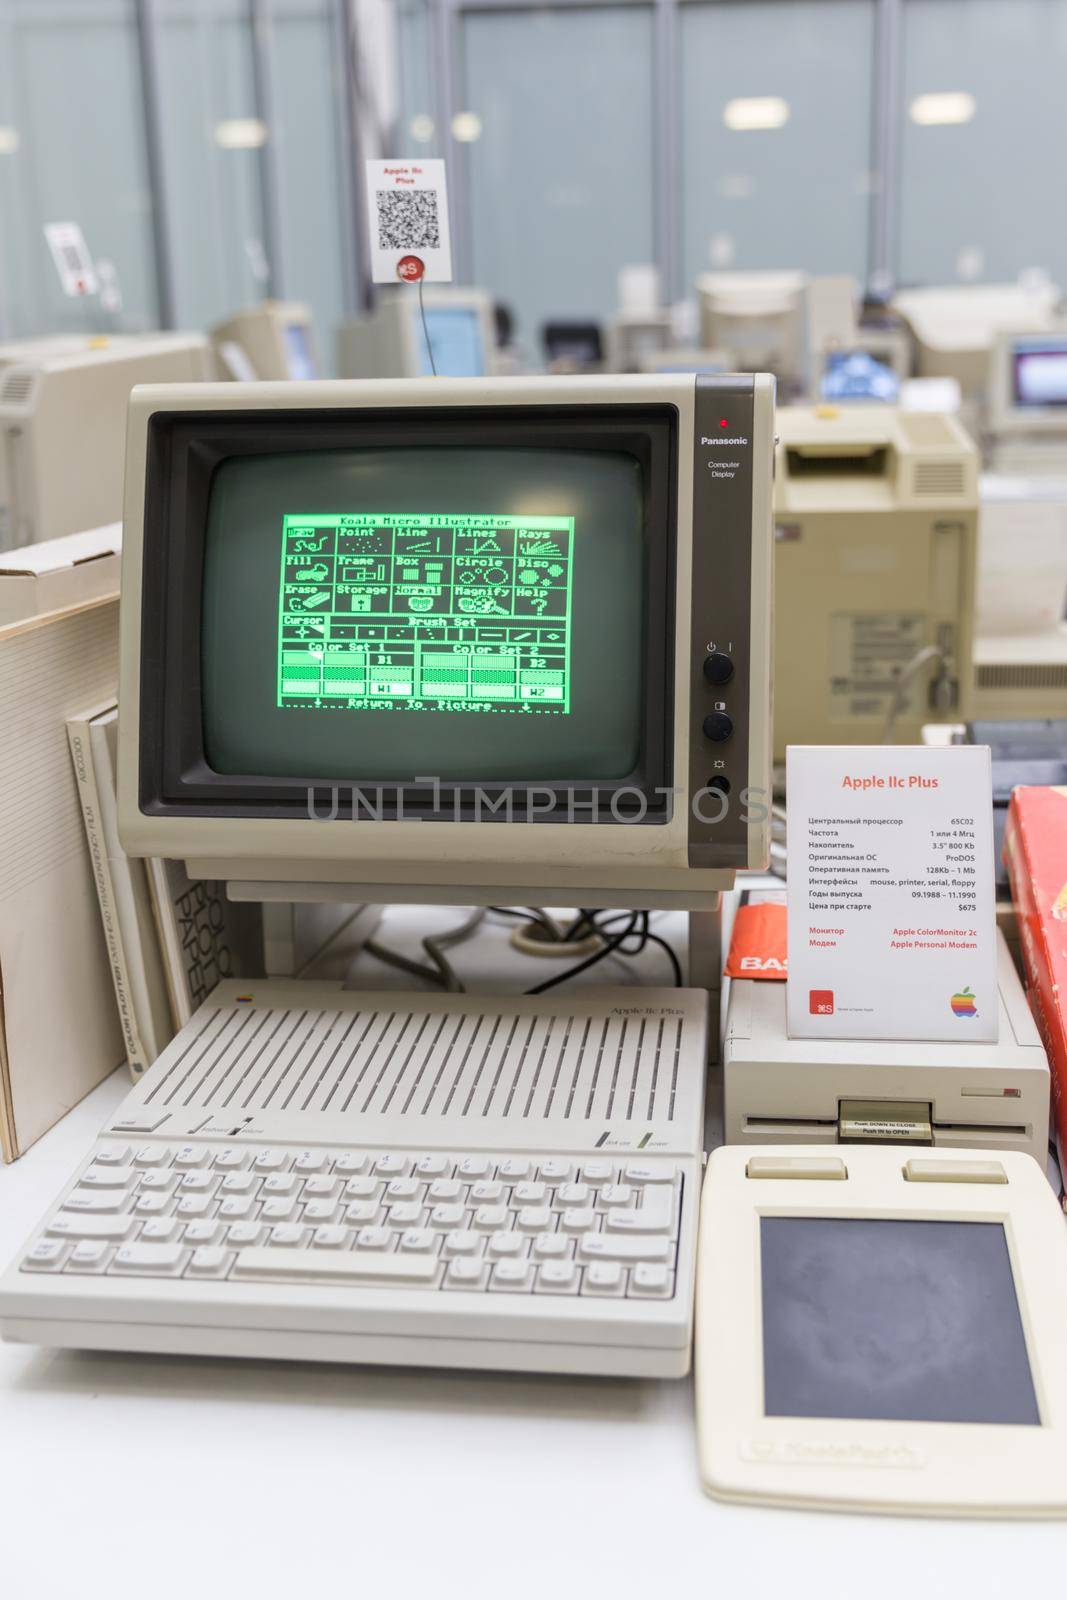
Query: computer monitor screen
[[855, 375], [455, 336], [472, 613], [1039, 372], [300, 358]]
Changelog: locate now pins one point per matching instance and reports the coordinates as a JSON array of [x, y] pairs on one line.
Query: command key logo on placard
[[821, 1002]]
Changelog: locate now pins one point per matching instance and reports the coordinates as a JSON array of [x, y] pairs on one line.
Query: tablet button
[[954, 1172], [796, 1167]]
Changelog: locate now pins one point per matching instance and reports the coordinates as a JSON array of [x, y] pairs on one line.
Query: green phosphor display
[[439, 612]]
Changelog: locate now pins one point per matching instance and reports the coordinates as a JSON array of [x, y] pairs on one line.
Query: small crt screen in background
[[455, 335], [298, 353], [1041, 376], [887, 1320]]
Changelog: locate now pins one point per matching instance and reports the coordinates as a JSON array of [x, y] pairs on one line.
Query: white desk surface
[[151, 1477]]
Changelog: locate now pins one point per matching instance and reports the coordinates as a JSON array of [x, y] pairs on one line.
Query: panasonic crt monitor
[[394, 343], [270, 341], [452, 640], [62, 424]]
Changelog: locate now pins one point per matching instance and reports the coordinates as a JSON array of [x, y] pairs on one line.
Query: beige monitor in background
[[1027, 417], [392, 341], [758, 318], [631, 337], [271, 341], [954, 327], [875, 522], [63, 424]]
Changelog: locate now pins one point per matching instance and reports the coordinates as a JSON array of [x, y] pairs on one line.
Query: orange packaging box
[[1035, 851]]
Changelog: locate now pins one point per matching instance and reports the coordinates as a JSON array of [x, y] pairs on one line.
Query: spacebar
[[341, 1266]]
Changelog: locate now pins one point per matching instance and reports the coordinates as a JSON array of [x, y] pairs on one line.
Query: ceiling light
[[240, 133], [421, 128], [9, 141], [764, 111], [466, 126], [939, 110]]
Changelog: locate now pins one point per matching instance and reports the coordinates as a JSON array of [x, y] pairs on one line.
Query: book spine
[[78, 734]]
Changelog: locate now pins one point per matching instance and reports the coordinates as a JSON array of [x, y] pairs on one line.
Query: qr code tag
[[407, 206]]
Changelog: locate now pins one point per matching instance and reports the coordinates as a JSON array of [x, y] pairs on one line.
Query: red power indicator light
[[723, 422]]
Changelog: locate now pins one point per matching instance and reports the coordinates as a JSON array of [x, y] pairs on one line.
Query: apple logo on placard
[[964, 1003]]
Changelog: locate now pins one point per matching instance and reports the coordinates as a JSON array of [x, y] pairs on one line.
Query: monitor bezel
[[184, 450]]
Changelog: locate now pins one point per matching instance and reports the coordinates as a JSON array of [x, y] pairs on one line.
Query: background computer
[[1027, 417], [630, 337], [758, 319], [273, 340], [468, 647], [451, 333], [63, 424]]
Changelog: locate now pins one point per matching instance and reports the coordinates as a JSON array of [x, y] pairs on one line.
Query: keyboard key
[[392, 1166], [652, 1217], [462, 1242], [96, 1202], [240, 1183], [651, 1281], [113, 1155], [512, 1277], [616, 1194], [433, 1167], [89, 1255], [363, 1213], [529, 1194], [443, 1190], [271, 1161], [192, 1206], [236, 1207], [466, 1274], [201, 1233], [47, 1255], [490, 1219], [322, 1188], [281, 1183], [244, 1234], [350, 1163], [142, 1121], [158, 1180], [71, 1225], [514, 1169], [309, 1161], [420, 1239], [557, 1277], [573, 1194], [287, 1234], [534, 1219], [603, 1247], [604, 1278], [153, 1155], [320, 1211], [150, 1260], [403, 1189], [362, 1189], [329, 1237], [190, 1156], [160, 1229], [642, 1172], [596, 1173], [490, 1192], [579, 1219], [100, 1176], [231, 1160], [338, 1266], [556, 1171], [506, 1246], [408, 1215], [209, 1262], [152, 1205], [549, 1246], [375, 1239], [198, 1182], [447, 1216], [281, 1209], [473, 1167]]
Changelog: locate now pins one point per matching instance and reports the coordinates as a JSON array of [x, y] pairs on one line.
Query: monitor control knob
[[718, 726], [718, 667]]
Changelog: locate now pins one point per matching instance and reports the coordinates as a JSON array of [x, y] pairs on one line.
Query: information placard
[[892, 928], [407, 208]]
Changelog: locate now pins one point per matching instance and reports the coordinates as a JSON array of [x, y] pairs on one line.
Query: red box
[[821, 1002], [1035, 852]]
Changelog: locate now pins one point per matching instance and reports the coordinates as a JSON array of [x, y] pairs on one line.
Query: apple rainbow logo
[[963, 1004]]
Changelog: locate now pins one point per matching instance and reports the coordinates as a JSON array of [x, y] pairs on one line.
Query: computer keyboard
[[306, 1173], [504, 1224]]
